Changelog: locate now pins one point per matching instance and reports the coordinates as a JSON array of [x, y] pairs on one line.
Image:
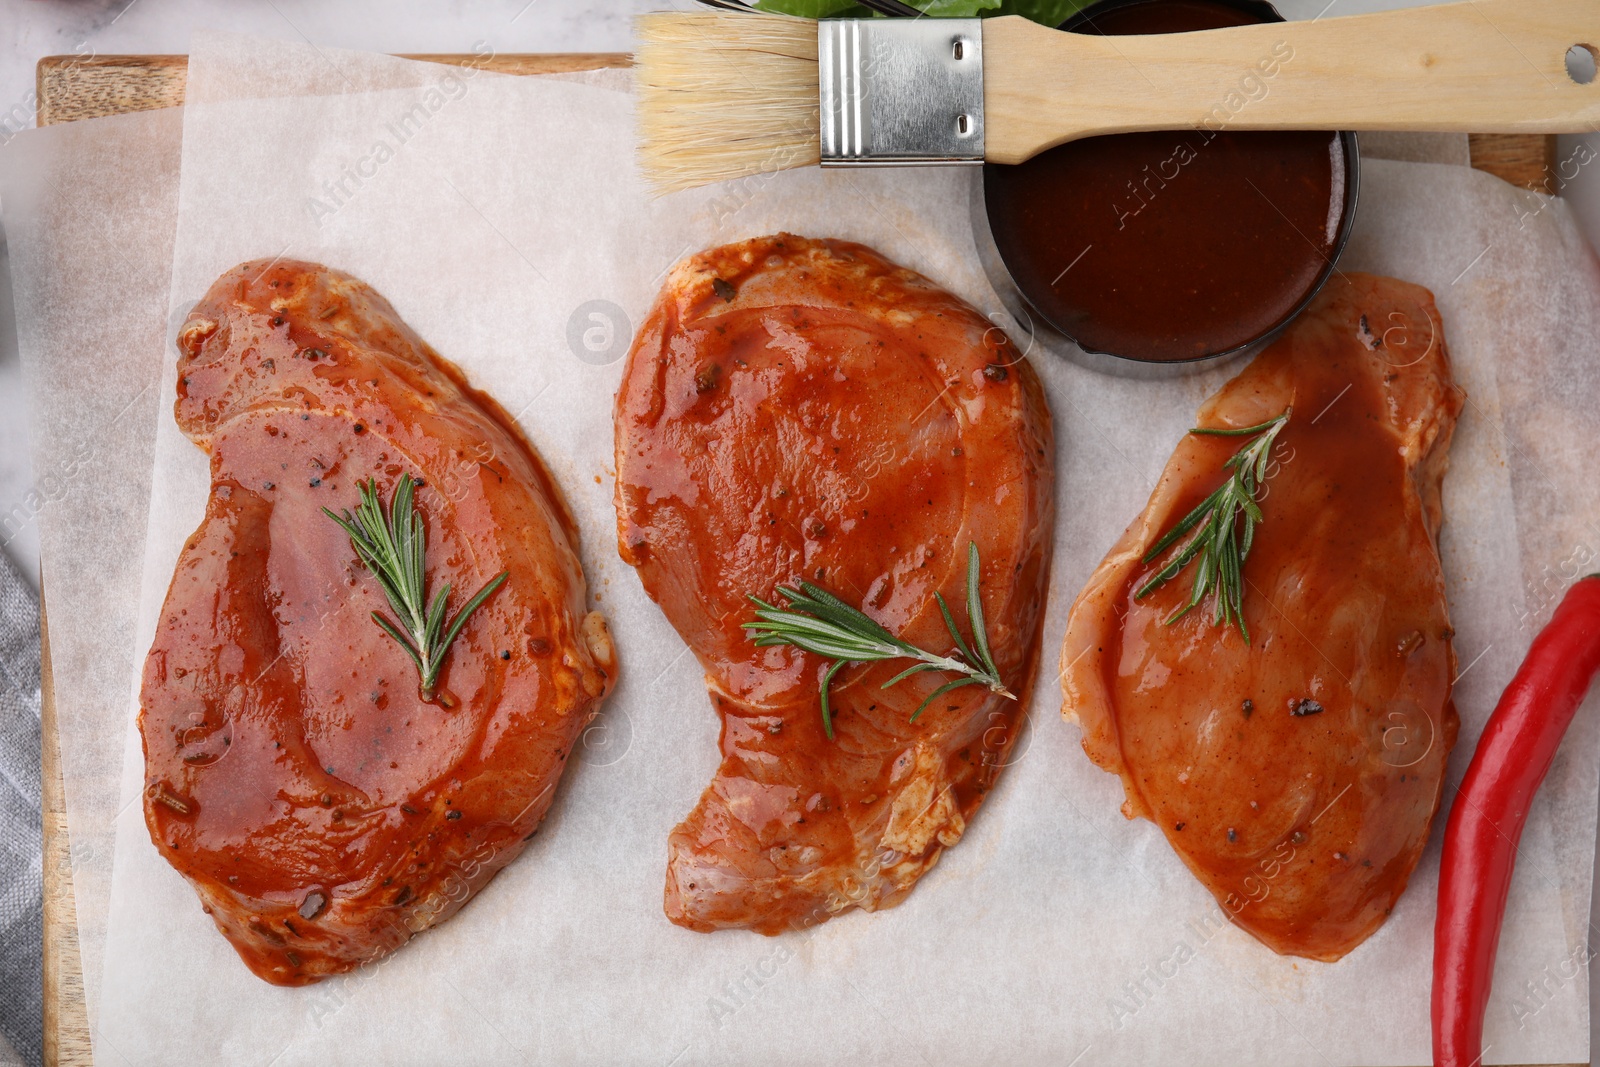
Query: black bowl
[[1031, 297]]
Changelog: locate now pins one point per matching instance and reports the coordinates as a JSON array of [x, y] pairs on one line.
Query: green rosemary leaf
[[432, 624], [818, 622], [461, 617], [1223, 529], [1243, 431], [1177, 563], [827, 714], [915, 668], [818, 636], [825, 605], [1201, 511], [393, 546], [980, 636], [941, 691], [394, 632], [955, 634]]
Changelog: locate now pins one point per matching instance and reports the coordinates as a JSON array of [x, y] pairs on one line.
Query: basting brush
[[727, 95]]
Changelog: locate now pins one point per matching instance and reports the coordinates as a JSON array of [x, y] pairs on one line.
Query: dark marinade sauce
[[1173, 245]]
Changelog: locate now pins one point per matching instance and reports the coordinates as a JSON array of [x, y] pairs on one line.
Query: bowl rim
[[1350, 149]]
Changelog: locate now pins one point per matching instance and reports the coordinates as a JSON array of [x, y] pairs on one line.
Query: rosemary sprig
[[1227, 527], [393, 547], [819, 622]]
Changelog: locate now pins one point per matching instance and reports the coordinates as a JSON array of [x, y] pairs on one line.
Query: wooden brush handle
[[1485, 66]]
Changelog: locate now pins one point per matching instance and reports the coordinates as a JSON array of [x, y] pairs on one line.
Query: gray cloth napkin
[[21, 832]]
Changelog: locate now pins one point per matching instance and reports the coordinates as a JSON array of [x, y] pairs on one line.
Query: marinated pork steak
[[797, 409], [1296, 775], [321, 808]]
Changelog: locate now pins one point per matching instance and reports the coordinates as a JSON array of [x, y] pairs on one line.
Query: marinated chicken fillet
[[323, 811], [1296, 775], [798, 409]]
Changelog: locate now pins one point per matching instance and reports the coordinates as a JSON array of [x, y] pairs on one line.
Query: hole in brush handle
[[1580, 62]]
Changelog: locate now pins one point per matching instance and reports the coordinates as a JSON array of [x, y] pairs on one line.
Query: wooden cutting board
[[79, 87]]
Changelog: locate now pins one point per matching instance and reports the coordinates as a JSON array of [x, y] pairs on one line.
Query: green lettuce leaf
[[1048, 12], [957, 9]]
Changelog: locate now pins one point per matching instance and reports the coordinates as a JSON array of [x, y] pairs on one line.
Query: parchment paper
[[1055, 929], [90, 212]]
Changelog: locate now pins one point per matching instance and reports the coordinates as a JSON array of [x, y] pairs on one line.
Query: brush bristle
[[725, 96]]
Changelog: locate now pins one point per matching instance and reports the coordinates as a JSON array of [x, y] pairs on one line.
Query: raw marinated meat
[[798, 409], [1296, 775], [323, 810]]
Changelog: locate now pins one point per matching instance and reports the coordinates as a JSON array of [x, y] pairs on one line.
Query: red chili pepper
[[1486, 820]]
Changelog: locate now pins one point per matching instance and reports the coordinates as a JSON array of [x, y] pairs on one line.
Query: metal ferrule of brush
[[900, 91]]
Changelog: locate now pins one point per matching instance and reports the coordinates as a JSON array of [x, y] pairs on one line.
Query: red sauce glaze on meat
[[1296, 775], [322, 810], [802, 409]]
